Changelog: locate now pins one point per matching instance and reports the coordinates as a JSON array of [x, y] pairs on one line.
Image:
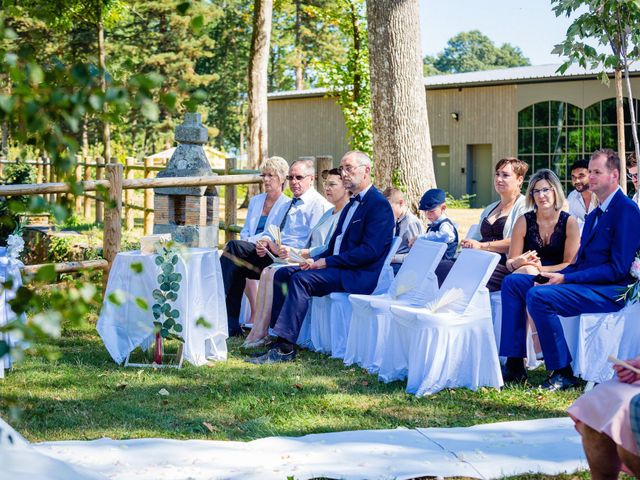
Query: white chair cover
[[600, 335], [9, 270], [330, 318], [415, 284], [454, 347]]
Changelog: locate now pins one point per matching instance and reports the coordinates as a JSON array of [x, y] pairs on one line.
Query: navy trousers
[[292, 292], [545, 304]]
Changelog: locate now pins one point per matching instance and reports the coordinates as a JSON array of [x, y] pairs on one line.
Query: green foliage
[[463, 202], [472, 51], [167, 292], [59, 249], [14, 173], [349, 81]]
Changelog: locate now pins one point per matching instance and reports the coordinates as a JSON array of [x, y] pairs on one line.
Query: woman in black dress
[[545, 239]]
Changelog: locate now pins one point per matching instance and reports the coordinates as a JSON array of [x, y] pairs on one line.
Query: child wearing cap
[[440, 228], [408, 226]]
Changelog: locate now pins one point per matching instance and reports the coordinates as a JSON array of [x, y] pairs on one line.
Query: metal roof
[[500, 76]]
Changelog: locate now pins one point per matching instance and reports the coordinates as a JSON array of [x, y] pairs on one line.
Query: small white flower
[[635, 268], [15, 246]]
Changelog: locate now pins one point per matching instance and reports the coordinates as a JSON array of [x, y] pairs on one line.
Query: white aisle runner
[[548, 446]]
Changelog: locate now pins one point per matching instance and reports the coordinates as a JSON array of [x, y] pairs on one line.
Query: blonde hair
[[277, 165], [554, 183]]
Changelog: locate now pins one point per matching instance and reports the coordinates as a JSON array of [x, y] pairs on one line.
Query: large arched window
[[554, 134]]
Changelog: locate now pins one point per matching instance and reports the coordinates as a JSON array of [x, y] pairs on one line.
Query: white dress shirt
[[302, 217], [577, 207], [352, 209]]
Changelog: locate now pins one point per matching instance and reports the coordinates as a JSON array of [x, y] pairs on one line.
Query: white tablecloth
[[201, 294], [9, 269]]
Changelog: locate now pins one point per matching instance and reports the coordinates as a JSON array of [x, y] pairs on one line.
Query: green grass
[[84, 395]]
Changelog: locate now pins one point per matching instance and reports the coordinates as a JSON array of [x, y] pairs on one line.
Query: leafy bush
[[463, 202], [14, 173]]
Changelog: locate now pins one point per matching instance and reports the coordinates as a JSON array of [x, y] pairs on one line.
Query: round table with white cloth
[[125, 326]]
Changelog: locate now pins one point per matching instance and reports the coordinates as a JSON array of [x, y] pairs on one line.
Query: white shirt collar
[[604, 205]]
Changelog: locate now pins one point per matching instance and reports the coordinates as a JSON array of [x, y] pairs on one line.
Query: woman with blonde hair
[[546, 238], [264, 210]]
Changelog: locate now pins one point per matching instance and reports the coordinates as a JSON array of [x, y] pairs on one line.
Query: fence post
[[39, 170], [99, 203], [2, 159], [113, 217], [323, 162], [230, 201], [78, 178], [51, 179], [128, 195], [148, 199], [87, 177]]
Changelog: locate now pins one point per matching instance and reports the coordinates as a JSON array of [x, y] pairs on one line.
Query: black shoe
[[514, 377], [558, 381], [275, 355]]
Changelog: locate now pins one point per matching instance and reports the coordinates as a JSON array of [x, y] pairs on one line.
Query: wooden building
[[475, 119]]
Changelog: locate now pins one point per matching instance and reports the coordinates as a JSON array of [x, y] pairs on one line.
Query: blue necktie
[[598, 213], [294, 200]]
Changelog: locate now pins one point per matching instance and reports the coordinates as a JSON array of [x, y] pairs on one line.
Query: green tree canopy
[[472, 51]]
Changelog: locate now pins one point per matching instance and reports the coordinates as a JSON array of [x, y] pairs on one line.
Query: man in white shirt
[[581, 200], [242, 260]]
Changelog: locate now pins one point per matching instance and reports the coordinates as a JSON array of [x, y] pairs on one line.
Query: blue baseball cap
[[432, 199]]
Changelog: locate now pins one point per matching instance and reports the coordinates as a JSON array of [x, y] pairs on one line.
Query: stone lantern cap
[[189, 158]]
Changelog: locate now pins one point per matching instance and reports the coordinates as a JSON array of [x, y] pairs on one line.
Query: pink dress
[[606, 410]]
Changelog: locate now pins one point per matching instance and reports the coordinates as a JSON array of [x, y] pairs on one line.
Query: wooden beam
[[191, 181], [68, 266]]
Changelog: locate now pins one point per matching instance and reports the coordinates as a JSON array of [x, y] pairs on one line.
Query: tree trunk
[[258, 72], [85, 136], [401, 142], [620, 121], [632, 111]]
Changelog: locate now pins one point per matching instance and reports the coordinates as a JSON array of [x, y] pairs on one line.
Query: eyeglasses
[[267, 176], [632, 176], [297, 177], [541, 191], [349, 168]]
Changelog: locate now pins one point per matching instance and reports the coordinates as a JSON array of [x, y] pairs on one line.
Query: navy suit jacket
[[365, 243], [607, 251]]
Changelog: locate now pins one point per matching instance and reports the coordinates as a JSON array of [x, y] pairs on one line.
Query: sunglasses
[[297, 177], [632, 176]]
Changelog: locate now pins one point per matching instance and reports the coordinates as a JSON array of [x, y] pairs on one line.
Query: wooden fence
[[116, 183], [87, 170]]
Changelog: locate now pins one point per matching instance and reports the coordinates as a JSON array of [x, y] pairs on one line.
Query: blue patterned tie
[[294, 200]]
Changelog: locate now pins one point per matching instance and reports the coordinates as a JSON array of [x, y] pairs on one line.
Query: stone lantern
[[189, 214]]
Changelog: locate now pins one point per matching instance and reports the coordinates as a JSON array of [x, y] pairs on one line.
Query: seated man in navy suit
[[592, 284], [351, 263]]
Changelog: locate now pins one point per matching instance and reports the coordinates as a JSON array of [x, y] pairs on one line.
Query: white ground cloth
[[548, 446]]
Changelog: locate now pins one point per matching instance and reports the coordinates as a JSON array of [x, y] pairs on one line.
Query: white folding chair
[[331, 315], [453, 346], [415, 284]]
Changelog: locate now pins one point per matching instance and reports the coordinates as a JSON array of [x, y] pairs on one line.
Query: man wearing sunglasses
[[351, 263], [242, 260]]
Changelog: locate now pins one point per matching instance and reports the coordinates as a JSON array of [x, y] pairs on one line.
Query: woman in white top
[[497, 220], [320, 235], [264, 210]]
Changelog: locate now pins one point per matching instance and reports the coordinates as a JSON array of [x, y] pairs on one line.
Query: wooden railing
[[115, 184], [89, 171]]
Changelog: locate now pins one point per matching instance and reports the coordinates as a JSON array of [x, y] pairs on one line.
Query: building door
[[480, 177], [441, 162]]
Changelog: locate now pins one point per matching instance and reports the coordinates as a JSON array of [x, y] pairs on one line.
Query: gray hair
[[554, 182], [361, 157], [308, 165], [277, 165]]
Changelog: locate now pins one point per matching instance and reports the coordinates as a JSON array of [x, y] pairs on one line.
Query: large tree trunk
[[401, 142], [620, 121], [258, 70]]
